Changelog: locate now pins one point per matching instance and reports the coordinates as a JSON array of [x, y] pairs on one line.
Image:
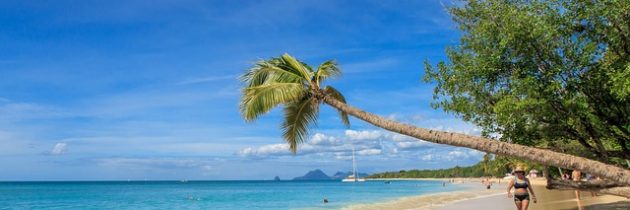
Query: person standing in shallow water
[[522, 189]]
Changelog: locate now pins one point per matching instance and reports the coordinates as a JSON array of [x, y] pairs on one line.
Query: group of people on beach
[[576, 175]]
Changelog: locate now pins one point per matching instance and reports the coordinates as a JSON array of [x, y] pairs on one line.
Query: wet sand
[[477, 197]]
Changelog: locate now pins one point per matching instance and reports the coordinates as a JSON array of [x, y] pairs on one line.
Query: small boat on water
[[354, 177]]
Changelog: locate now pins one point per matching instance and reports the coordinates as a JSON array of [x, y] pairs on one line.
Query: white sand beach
[[477, 197]]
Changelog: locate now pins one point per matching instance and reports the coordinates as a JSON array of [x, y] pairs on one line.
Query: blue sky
[[93, 90]]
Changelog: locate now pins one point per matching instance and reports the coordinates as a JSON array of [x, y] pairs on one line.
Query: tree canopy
[[544, 73], [495, 166], [286, 81]]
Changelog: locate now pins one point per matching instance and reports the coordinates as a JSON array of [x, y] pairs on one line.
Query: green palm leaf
[[332, 92], [327, 70], [298, 116], [287, 81], [293, 65], [260, 99], [269, 71]]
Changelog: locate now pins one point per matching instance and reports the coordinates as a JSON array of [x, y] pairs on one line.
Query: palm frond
[[328, 69], [260, 99], [334, 93], [298, 116], [290, 63], [268, 71]]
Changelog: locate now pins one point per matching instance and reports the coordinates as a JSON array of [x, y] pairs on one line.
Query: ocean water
[[207, 194]]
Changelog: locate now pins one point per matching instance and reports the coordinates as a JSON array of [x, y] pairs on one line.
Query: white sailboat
[[354, 177]]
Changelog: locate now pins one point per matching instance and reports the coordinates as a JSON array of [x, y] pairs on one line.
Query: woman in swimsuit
[[521, 186]]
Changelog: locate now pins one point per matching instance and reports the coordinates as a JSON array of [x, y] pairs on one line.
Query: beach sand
[[477, 197]]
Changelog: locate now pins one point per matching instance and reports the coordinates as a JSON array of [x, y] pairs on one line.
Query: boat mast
[[354, 166]]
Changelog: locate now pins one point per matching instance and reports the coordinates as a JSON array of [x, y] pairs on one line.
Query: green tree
[[285, 81], [545, 73]]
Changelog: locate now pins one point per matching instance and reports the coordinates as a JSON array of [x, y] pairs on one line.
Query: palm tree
[[298, 87]]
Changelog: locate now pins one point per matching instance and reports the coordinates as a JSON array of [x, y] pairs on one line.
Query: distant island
[[317, 175], [277, 178]]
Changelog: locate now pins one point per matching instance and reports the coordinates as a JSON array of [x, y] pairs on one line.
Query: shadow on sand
[[620, 205]]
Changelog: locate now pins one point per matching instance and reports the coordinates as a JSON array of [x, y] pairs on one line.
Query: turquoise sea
[[207, 194]]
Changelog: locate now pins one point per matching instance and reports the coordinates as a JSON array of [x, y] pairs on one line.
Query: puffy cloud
[[468, 153], [456, 154], [322, 139], [58, 149], [365, 143], [265, 150], [369, 152], [406, 145], [400, 137], [427, 157], [363, 135]]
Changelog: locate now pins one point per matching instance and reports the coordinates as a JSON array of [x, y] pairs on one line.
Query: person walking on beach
[[576, 175], [521, 187], [486, 182]]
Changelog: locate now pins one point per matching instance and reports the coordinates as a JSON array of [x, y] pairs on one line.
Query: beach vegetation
[[550, 74], [539, 77], [288, 82]]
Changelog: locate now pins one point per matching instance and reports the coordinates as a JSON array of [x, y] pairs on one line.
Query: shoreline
[[475, 195], [472, 188]]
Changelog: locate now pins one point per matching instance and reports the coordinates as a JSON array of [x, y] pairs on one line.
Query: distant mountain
[[320, 175], [277, 178], [341, 175], [313, 175]]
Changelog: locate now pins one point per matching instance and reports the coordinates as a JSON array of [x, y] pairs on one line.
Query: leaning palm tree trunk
[[545, 157], [597, 186]]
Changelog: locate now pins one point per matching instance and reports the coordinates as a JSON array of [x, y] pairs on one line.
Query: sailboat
[[354, 177]]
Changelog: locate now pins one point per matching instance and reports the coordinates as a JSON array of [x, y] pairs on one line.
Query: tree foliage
[[545, 73], [489, 166]]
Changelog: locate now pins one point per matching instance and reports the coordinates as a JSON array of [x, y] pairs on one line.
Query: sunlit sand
[[477, 197]]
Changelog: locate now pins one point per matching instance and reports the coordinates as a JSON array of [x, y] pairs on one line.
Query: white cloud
[[413, 144], [456, 153], [59, 149], [363, 135], [400, 137], [378, 143], [427, 157], [322, 139], [369, 152], [265, 150], [365, 143], [459, 154]]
